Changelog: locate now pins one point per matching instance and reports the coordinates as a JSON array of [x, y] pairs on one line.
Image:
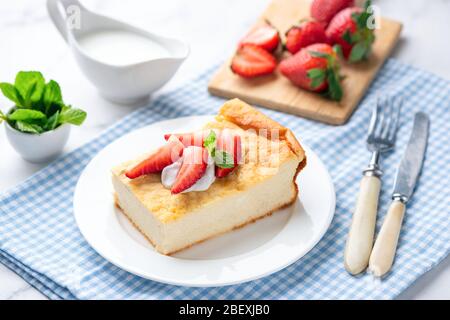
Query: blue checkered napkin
[[40, 241]]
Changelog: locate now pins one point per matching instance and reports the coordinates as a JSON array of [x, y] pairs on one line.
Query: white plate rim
[[167, 280]]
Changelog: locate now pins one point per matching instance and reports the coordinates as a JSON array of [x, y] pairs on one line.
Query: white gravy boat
[[125, 83]]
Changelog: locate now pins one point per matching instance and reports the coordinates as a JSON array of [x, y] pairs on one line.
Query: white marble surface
[[29, 41]]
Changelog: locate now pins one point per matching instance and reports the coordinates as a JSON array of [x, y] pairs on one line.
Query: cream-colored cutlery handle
[[360, 238], [383, 252]]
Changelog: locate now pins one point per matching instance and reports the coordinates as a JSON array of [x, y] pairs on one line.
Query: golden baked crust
[[247, 117]]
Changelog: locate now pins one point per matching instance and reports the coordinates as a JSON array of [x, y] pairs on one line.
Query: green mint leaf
[[224, 160], [52, 95], [28, 127], [30, 85], [72, 116], [39, 106], [358, 52], [2, 116], [210, 143], [52, 122], [26, 115], [10, 92]]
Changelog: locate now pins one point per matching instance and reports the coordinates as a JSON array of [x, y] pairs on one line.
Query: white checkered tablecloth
[[40, 241]]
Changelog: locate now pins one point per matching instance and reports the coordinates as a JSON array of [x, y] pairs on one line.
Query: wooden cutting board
[[276, 92]]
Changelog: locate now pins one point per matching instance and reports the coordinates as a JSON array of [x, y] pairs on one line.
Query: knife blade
[[411, 164]]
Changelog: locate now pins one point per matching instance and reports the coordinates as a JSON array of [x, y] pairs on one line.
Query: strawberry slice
[[190, 139], [252, 61], [157, 161], [264, 36], [192, 168], [230, 143]]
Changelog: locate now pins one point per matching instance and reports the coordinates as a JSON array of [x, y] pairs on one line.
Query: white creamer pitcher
[[125, 63]]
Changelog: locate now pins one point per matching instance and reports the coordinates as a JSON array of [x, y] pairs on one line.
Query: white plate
[[246, 254]]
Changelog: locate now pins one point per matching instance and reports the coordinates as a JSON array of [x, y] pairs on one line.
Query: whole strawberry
[[315, 68], [350, 30], [324, 10], [303, 35]]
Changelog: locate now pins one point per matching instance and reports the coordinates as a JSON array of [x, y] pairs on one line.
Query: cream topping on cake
[[169, 175]]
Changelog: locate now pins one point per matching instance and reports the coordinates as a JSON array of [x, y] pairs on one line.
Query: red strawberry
[[192, 168], [190, 139], [314, 68], [230, 143], [324, 10], [157, 161], [252, 61], [301, 36], [265, 36], [349, 29]]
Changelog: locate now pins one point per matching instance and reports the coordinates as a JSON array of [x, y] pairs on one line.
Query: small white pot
[[38, 148]]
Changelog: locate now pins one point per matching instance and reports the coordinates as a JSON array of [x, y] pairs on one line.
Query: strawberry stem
[[330, 74], [362, 39]]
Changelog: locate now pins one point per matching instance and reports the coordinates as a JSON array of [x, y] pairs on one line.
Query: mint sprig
[[2, 116], [224, 160], [25, 115], [221, 158], [39, 106], [210, 143]]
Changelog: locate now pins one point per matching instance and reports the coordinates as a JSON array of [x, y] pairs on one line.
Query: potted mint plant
[[38, 125]]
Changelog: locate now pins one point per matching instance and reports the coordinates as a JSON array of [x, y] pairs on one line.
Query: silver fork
[[381, 138]]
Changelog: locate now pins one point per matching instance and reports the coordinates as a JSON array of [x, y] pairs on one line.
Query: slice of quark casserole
[[236, 169]]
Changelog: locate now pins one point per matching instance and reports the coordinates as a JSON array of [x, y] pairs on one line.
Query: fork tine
[[396, 115], [381, 103], [384, 123], [373, 119], [389, 110]]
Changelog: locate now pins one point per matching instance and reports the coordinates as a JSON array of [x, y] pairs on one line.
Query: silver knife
[[383, 252]]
